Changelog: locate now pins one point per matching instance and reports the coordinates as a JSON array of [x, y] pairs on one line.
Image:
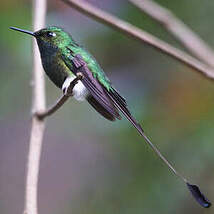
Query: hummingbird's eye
[[50, 34]]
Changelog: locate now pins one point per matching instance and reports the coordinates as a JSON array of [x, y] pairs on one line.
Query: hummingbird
[[64, 60]]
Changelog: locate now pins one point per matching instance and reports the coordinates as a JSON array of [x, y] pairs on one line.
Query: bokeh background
[[91, 165]]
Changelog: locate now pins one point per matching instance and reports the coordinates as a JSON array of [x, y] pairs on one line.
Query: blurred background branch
[[178, 29], [38, 126], [136, 33]]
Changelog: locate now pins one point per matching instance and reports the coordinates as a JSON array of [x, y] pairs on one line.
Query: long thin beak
[[23, 31]]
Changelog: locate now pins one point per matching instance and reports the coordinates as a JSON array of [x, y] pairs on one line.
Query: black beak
[[23, 31]]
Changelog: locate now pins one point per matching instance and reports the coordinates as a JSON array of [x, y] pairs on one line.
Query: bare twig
[[41, 115], [38, 126], [136, 33], [177, 28]]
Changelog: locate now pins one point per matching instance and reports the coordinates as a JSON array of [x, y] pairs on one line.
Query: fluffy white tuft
[[80, 92]]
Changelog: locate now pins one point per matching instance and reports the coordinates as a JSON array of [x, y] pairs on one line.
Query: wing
[[103, 103]]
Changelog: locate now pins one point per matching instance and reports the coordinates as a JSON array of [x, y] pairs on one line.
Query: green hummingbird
[[63, 59]]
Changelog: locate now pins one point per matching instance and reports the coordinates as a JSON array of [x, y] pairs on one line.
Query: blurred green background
[[90, 165]]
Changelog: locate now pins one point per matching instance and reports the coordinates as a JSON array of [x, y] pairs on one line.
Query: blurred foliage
[[90, 165]]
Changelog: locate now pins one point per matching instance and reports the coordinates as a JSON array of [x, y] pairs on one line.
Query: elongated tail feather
[[120, 103]]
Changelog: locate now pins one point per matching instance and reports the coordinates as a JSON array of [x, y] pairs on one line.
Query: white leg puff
[[80, 92]]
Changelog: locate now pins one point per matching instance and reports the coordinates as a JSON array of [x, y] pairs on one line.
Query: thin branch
[[140, 35], [176, 27], [38, 126], [41, 115]]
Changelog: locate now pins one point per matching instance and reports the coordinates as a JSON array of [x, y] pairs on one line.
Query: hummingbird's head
[[53, 36], [50, 36]]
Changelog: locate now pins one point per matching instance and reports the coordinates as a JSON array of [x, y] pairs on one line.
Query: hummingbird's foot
[[69, 84], [79, 76], [66, 86]]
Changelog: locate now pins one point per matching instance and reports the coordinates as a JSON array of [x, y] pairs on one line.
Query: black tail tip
[[199, 197]]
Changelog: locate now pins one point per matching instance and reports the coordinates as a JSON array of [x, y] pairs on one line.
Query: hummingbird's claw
[[79, 76]]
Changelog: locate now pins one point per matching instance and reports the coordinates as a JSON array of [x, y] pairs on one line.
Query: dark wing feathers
[[106, 102], [101, 103], [100, 96], [104, 112]]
